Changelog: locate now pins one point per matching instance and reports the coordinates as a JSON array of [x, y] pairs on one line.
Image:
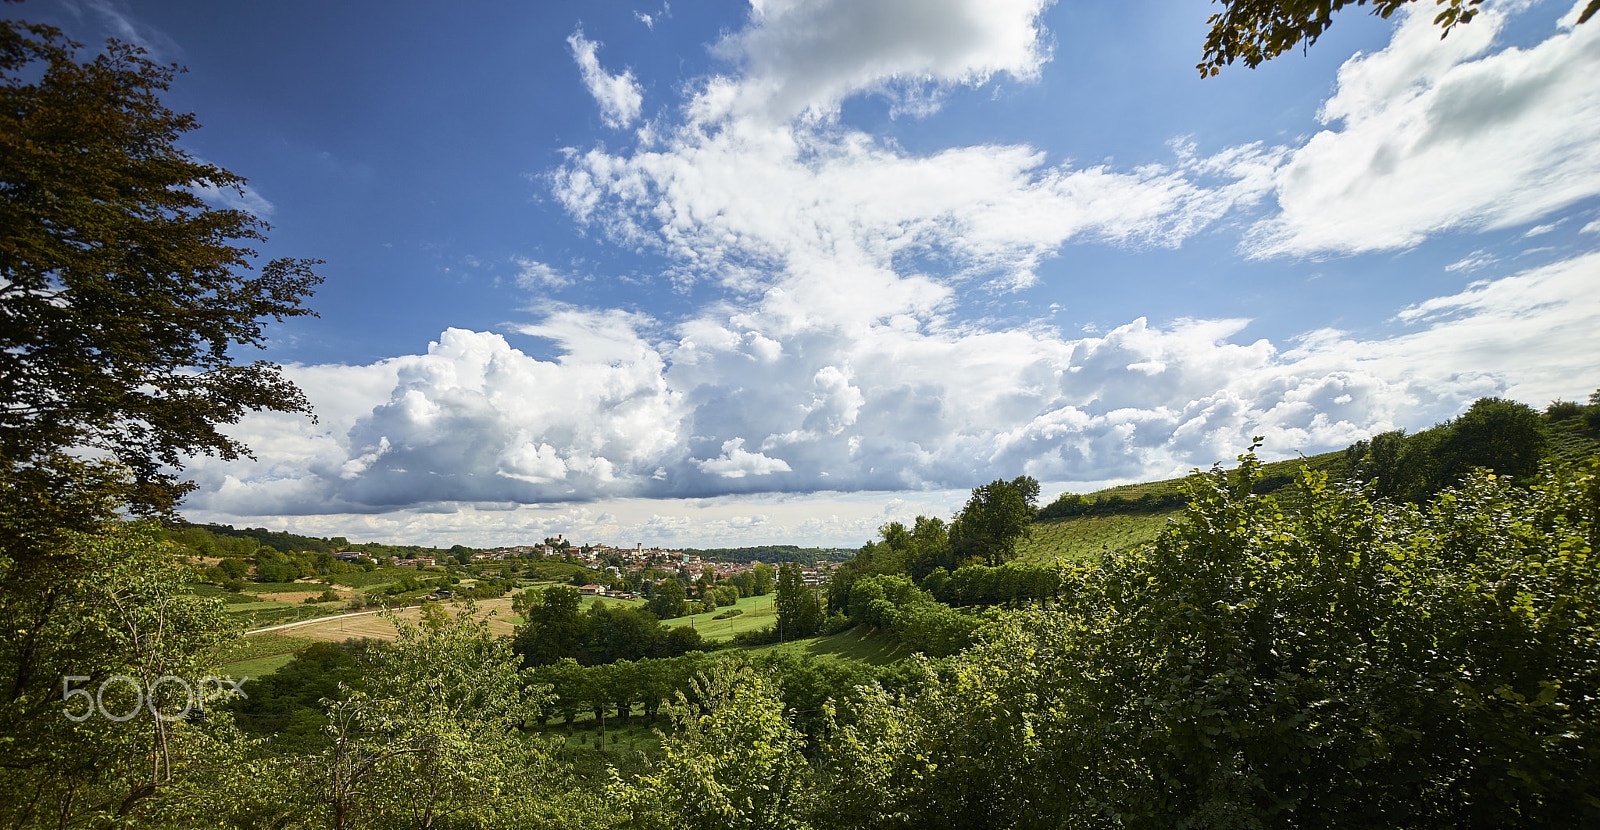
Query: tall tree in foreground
[[122, 293], [733, 759], [432, 738], [122, 297], [103, 680]]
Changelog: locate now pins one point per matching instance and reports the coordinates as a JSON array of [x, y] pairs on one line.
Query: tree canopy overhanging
[[122, 292], [1255, 31]]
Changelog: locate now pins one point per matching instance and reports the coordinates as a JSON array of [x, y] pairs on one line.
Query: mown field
[[856, 644], [759, 612], [367, 625]]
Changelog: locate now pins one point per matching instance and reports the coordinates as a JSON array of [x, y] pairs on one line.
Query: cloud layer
[[839, 355]]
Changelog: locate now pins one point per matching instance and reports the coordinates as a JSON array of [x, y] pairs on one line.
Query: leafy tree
[[106, 644], [122, 292], [1503, 436], [994, 520], [553, 627], [678, 641], [122, 298], [1255, 31], [930, 547], [1506, 437], [762, 576], [621, 633], [287, 703], [432, 740], [1397, 466], [733, 759], [670, 600], [799, 612]]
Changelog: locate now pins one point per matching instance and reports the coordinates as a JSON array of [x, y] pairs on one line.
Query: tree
[[431, 741], [552, 626], [799, 613], [670, 600], [1255, 31], [930, 547], [763, 575], [122, 294], [1397, 466], [995, 518], [733, 759], [99, 675], [1503, 436]]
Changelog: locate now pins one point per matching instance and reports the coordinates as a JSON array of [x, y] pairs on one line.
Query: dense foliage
[[555, 627], [123, 296]]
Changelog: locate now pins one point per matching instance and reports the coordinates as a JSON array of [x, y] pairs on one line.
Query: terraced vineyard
[[1127, 522], [1088, 537]]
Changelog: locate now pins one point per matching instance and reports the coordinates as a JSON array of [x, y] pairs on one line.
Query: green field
[[259, 667], [253, 646], [1090, 536], [758, 613], [612, 603], [256, 655], [373, 579], [856, 644]]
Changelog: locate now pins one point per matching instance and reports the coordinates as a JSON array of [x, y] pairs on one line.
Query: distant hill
[[284, 541], [1078, 526]]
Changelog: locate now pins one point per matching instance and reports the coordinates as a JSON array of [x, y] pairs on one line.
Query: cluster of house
[[605, 557]]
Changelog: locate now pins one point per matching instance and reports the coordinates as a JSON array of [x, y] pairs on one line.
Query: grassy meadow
[[759, 612]]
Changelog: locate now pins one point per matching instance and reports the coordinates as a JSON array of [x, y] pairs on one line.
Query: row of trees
[[1505, 437], [555, 626]]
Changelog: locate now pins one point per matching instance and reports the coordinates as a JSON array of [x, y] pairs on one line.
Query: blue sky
[[716, 273]]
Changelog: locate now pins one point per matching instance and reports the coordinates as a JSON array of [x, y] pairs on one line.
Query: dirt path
[[309, 622], [364, 625]]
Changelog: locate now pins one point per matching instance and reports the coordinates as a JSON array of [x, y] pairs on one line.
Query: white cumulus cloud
[[804, 58], [1427, 136], [619, 96]]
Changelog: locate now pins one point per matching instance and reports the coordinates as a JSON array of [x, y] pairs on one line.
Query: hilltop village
[[626, 573]]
